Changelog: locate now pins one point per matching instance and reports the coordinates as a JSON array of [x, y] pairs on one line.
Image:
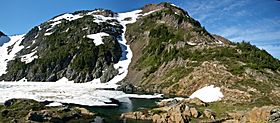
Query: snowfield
[[65, 91], [208, 94], [7, 54]]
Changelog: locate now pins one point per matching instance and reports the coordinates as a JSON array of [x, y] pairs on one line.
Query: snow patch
[[48, 33], [171, 99], [123, 64], [208, 94], [57, 20], [64, 80], [191, 43], [28, 58], [155, 96], [175, 5], [101, 18], [148, 13], [23, 80], [39, 27], [67, 16], [9, 54], [54, 104], [54, 24], [97, 38], [220, 42]]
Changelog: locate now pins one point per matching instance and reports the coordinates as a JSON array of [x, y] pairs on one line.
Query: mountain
[[173, 54], [3, 38], [81, 46], [158, 48]]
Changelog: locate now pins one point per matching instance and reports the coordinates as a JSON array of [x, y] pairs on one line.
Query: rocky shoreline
[[195, 110], [177, 110], [27, 110]]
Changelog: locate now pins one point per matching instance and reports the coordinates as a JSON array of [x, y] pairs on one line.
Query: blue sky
[[257, 21]]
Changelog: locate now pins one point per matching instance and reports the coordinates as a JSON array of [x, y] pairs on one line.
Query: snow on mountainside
[[43, 48], [97, 38], [63, 90], [8, 52]]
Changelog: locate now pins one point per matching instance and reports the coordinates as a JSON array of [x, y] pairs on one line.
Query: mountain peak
[[3, 38], [164, 6], [172, 16], [2, 34]]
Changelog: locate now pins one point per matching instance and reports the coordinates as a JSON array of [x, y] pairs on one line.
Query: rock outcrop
[[184, 111], [256, 115], [274, 115], [26, 110], [178, 112]]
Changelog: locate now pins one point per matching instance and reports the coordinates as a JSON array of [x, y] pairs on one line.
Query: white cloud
[[214, 9], [260, 30], [258, 36]]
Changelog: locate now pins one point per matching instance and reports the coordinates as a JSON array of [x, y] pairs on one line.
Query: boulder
[[167, 102], [4, 112], [85, 111], [136, 115], [127, 88], [274, 116], [40, 116], [231, 121], [8, 103], [257, 114], [209, 114], [196, 101], [157, 118], [194, 112], [176, 118], [27, 110]]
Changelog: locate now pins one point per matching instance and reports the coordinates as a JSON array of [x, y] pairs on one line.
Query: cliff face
[[175, 55]]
